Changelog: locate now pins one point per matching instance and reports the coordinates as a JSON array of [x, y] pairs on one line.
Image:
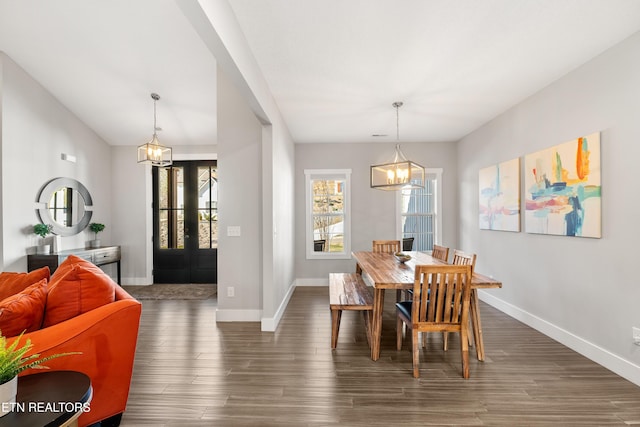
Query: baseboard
[[238, 315], [313, 282], [135, 281], [601, 356], [270, 324]]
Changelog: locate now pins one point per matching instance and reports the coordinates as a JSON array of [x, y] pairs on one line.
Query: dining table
[[386, 272]]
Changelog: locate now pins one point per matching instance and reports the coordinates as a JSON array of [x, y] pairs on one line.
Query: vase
[[94, 243], [43, 250], [8, 393]]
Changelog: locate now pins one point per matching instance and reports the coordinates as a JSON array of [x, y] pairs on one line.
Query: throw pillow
[[77, 286], [23, 311], [12, 283]]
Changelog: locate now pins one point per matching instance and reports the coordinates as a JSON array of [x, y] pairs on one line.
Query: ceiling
[[334, 66]]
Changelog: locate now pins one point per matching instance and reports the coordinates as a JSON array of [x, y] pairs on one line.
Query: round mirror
[[65, 204]]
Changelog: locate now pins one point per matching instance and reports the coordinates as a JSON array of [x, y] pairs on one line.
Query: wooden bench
[[347, 291]]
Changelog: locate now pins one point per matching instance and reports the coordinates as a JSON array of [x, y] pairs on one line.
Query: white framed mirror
[[65, 204]]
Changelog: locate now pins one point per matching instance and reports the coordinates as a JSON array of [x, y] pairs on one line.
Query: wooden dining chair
[[460, 258], [390, 247], [441, 298], [440, 252]]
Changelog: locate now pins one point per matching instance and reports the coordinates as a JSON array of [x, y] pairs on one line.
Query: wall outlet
[[231, 291], [636, 335]]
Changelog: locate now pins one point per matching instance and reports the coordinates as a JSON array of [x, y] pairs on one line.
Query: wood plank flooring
[[192, 371]]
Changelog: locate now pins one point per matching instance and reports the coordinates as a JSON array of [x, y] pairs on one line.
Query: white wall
[[373, 211], [36, 130], [219, 30], [239, 204], [582, 292]]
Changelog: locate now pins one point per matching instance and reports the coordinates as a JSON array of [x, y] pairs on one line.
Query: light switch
[[233, 231]]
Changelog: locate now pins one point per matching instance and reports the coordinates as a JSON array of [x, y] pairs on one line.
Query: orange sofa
[[85, 311]]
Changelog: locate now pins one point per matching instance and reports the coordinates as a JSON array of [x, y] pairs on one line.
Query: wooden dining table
[[386, 272]]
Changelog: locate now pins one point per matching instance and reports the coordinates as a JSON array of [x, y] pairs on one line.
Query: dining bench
[[348, 291]]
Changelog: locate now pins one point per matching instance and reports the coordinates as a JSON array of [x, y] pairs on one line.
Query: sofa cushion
[[12, 283], [23, 311], [77, 286]]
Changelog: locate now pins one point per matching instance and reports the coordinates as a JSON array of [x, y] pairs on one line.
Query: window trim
[[431, 173], [314, 174]]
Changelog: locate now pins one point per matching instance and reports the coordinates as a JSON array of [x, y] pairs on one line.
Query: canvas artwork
[[563, 192], [499, 195]]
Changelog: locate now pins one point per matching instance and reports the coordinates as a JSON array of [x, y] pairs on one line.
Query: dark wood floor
[[192, 371]]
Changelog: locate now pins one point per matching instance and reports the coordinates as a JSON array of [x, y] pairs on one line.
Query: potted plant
[[12, 362], [96, 228], [42, 230]]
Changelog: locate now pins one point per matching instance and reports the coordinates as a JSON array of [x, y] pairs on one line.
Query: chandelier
[[400, 173], [152, 152]]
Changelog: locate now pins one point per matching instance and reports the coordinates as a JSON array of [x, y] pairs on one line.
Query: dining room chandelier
[[400, 173], [152, 152]]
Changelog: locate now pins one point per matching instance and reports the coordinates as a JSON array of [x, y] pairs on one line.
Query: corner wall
[[373, 212], [582, 292], [36, 130]]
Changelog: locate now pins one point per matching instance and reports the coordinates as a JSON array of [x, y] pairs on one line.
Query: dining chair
[[460, 258], [407, 243], [390, 247], [440, 252], [440, 303]]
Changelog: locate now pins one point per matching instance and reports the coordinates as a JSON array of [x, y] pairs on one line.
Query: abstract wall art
[[499, 195], [562, 189]]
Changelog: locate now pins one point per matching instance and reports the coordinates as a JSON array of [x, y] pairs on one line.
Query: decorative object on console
[[152, 152], [563, 189], [43, 230], [401, 173], [96, 228], [65, 204]]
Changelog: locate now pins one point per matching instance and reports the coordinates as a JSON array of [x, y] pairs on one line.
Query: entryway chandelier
[[152, 152], [400, 173]]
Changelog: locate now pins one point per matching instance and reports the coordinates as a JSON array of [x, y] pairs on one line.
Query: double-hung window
[[328, 213], [418, 212]]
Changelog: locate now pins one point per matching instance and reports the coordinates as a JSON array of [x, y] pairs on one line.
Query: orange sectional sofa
[[78, 309]]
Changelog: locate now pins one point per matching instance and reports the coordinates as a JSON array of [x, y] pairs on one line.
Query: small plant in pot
[[12, 362], [43, 230], [96, 228]]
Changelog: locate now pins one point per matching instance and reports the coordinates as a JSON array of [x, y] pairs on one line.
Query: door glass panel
[[164, 229], [171, 207], [207, 207]]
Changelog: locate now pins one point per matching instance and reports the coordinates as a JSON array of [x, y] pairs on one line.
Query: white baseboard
[[238, 315], [601, 356], [313, 282], [135, 281], [270, 324]]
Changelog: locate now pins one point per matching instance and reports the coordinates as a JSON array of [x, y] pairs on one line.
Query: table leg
[[376, 330], [477, 325]]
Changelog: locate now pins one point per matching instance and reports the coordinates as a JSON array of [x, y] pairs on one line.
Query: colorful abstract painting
[[499, 195], [563, 193]]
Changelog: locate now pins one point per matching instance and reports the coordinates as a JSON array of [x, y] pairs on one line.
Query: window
[[419, 212], [328, 213]]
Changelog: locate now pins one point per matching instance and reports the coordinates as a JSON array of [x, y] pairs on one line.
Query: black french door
[[185, 223]]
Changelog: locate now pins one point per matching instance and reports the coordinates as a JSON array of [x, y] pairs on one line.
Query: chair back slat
[[462, 258], [387, 246], [440, 294], [440, 252]]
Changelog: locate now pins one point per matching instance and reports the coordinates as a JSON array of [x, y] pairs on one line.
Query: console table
[[98, 256]]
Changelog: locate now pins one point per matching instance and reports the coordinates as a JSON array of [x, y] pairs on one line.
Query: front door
[[185, 223]]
